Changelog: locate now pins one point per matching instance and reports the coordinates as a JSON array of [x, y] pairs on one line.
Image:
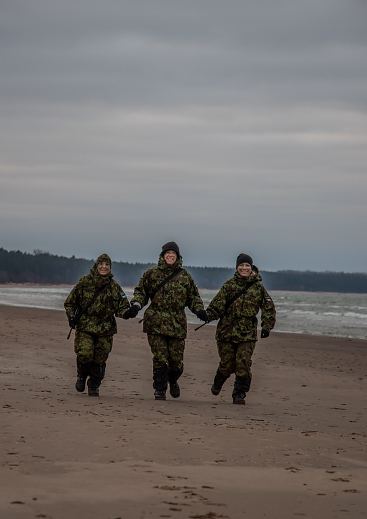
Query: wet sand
[[297, 449]]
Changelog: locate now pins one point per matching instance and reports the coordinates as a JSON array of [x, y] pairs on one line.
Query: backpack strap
[[169, 278], [235, 297]]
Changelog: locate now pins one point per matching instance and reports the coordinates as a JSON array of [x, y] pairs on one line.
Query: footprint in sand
[[167, 487], [209, 515]]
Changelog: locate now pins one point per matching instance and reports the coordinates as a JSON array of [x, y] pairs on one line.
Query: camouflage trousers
[[236, 358], [167, 351], [92, 348]]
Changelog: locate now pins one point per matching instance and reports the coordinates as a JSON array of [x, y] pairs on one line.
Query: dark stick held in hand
[[198, 327]]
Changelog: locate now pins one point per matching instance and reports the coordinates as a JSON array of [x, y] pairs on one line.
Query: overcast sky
[[226, 126]]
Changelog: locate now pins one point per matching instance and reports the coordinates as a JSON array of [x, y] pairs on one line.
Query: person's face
[[103, 268], [170, 257], [244, 270]]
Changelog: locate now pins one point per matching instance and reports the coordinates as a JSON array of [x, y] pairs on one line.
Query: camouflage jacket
[[166, 312], [110, 301], [238, 321]]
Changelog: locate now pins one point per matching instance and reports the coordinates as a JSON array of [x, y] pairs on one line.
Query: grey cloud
[[223, 125], [169, 52]]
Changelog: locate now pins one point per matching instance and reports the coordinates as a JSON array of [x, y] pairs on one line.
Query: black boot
[[240, 388], [218, 382], [96, 376], [239, 399], [160, 378], [80, 383], [83, 372], [159, 394], [93, 390], [173, 375]]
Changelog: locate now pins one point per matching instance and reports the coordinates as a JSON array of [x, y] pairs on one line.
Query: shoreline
[[126, 287], [193, 325]]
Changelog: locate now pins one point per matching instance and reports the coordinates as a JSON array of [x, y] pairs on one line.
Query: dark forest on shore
[[45, 268]]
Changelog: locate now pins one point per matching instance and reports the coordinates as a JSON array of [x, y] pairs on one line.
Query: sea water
[[316, 313]]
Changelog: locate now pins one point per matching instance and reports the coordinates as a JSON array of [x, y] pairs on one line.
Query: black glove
[[131, 312], [265, 333], [72, 322], [202, 315]]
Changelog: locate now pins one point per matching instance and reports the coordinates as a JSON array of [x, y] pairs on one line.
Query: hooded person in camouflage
[[236, 306], [170, 289], [91, 308]]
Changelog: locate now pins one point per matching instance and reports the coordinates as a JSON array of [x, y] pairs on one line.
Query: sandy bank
[[299, 446]]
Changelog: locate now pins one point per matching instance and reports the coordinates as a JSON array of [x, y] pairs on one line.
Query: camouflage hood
[[97, 278], [100, 300]]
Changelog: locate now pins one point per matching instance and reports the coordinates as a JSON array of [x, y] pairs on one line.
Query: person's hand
[[202, 315], [254, 270], [131, 312], [265, 333]]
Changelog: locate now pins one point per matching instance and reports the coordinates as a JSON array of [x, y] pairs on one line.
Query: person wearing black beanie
[[244, 258], [171, 245], [236, 305], [170, 289]]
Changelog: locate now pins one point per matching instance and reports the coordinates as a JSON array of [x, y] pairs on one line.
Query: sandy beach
[[297, 449]]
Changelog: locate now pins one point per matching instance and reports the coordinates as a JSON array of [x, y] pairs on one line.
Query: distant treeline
[[45, 268]]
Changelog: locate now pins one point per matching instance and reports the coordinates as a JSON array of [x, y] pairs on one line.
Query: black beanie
[[170, 245], [243, 258]]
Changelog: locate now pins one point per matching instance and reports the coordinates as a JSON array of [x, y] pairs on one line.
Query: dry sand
[[297, 449]]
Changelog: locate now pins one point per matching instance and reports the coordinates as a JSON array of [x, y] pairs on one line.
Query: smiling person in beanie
[[170, 289], [91, 308], [236, 306]]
